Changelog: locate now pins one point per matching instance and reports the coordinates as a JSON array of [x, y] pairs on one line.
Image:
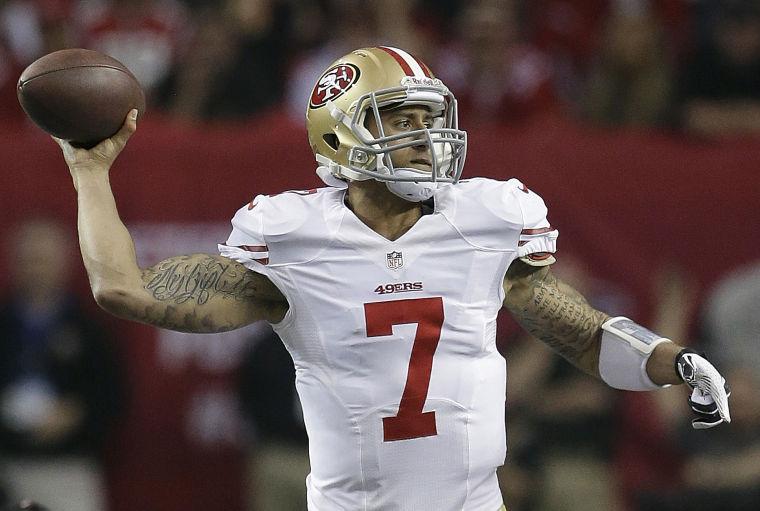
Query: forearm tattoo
[[172, 318], [558, 315]]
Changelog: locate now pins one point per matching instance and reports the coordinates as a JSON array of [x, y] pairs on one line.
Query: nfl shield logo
[[395, 260]]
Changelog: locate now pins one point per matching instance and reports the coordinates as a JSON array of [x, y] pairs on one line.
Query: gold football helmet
[[376, 79]]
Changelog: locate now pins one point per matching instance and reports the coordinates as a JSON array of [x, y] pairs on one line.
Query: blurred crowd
[[62, 386], [689, 65], [678, 65]]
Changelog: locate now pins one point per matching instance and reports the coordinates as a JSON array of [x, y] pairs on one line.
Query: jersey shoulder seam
[[468, 241]]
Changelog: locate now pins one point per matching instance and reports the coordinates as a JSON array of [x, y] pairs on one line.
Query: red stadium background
[[627, 203]]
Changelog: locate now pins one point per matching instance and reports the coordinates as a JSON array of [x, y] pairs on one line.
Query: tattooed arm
[[189, 293], [194, 293], [555, 313]]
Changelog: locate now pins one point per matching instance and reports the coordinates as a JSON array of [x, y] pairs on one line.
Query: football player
[[384, 286]]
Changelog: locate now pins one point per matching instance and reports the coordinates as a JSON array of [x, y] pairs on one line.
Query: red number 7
[[410, 421]]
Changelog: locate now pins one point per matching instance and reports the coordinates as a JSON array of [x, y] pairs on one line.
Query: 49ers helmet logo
[[336, 80]]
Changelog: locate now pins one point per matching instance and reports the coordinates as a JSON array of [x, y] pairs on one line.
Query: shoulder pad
[[483, 212], [492, 214], [291, 227]]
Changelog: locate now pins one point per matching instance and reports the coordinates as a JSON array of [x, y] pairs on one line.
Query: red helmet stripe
[[401, 62]]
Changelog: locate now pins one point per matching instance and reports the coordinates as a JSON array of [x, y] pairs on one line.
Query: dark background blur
[[637, 121]]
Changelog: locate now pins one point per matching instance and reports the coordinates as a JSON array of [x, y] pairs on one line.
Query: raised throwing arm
[[192, 293]]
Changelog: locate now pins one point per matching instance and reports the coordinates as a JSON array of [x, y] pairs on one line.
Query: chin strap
[[328, 171], [327, 176], [411, 190]]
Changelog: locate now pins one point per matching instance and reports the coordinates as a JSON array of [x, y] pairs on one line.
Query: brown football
[[82, 96]]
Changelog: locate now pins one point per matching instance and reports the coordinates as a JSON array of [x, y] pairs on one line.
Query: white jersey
[[397, 370]]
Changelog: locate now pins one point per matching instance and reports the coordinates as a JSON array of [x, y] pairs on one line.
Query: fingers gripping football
[[710, 392], [103, 154]]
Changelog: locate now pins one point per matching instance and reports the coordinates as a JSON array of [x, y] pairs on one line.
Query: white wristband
[[626, 347]]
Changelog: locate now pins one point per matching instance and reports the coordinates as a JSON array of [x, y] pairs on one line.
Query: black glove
[[709, 395]]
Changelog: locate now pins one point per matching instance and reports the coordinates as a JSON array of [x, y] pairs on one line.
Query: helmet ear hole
[[331, 139]]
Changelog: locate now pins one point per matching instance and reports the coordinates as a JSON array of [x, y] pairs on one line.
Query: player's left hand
[[709, 395]]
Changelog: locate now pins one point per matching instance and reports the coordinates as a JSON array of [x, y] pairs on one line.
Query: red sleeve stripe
[[540, 230], [254, 248], [257, 249], [411, 65], [539, 256]]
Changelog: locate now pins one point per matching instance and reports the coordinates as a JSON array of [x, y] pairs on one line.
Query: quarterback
[[384, 286]]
